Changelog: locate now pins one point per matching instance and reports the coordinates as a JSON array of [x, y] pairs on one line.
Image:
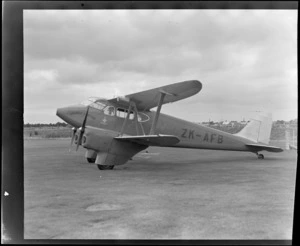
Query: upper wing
[[148, 99], [260, 147], [151, 140]]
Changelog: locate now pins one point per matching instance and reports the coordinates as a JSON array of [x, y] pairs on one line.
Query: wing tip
[[196, 84]]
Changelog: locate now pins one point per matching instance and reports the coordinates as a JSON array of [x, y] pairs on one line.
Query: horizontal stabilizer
[[260, 147], [151, 140], [145, 100]]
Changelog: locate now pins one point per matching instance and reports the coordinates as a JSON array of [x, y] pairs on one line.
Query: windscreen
[[95, 102]]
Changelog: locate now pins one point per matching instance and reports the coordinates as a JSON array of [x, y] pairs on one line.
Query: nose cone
[[61, 112], [73, 115]]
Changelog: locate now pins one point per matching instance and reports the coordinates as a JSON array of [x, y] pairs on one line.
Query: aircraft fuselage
[[191, 135]]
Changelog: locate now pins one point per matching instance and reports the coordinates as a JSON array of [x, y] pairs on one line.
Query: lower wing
[[151, 140]]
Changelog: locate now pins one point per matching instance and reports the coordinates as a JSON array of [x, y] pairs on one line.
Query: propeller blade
[[81, 129], [73, 136], [85, 117], [77, 145], [79, 138]]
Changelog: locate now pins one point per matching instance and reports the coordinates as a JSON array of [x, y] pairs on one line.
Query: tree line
[[58, 124]]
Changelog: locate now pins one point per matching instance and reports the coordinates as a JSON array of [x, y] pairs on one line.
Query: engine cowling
[[109, 151], [97, 139]]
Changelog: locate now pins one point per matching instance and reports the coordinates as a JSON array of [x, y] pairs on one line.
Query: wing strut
[[137, 123], [127, 117], [160, 102], [133, 107]]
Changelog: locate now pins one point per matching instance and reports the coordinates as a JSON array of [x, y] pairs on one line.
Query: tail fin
[[258, 130]]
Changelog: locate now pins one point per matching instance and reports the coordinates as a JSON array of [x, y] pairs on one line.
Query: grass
[[176, 194]]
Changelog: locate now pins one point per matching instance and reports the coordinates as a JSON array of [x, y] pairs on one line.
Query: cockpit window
[[109, 110], [100, 104], [86, 102], [95, 102], [97, 105]]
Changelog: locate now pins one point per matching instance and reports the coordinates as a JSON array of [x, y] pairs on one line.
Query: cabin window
[[122, 113], [142, 117], [109, 110]]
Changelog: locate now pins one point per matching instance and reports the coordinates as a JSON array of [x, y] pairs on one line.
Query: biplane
[[114, 130]]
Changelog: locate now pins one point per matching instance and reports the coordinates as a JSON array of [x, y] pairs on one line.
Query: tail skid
[[258, 130]]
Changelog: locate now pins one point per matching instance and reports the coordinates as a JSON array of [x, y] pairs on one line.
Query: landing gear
[[91, 160], [260, 156], [105, 167], [100, 167]]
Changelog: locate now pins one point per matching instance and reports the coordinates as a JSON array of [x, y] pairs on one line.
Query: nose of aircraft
[[60, 112], [73, 115]]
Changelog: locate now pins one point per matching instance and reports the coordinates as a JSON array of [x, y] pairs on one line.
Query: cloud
[[243, 57]]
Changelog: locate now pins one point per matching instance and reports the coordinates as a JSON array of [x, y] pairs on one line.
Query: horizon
[[59, 122]]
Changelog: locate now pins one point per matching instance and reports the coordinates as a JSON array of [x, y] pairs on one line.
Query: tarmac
[[167, 193]]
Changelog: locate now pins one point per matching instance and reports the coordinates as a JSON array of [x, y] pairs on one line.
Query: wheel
[[260, 156], [105, 167], [91, 160]]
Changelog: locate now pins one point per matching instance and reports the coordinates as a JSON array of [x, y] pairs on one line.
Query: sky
[[246, 60]]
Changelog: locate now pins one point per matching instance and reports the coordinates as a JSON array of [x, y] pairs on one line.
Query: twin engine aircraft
[[114, 130]]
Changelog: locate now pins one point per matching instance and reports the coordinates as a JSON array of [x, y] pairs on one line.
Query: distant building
[[294, 123], [233, 123], [226, 122], [278, 123]]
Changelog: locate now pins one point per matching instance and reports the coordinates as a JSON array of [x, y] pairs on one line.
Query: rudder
[[258, 130]]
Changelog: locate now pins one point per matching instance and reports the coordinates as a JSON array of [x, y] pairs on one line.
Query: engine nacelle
[[77, 136], [109, 150], [97, 139], [90, 154]]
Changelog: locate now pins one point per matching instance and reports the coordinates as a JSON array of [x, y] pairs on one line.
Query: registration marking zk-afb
[[207, 137]]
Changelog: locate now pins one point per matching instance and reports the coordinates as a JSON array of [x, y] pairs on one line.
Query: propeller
[[73, 136], [81, 129]]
